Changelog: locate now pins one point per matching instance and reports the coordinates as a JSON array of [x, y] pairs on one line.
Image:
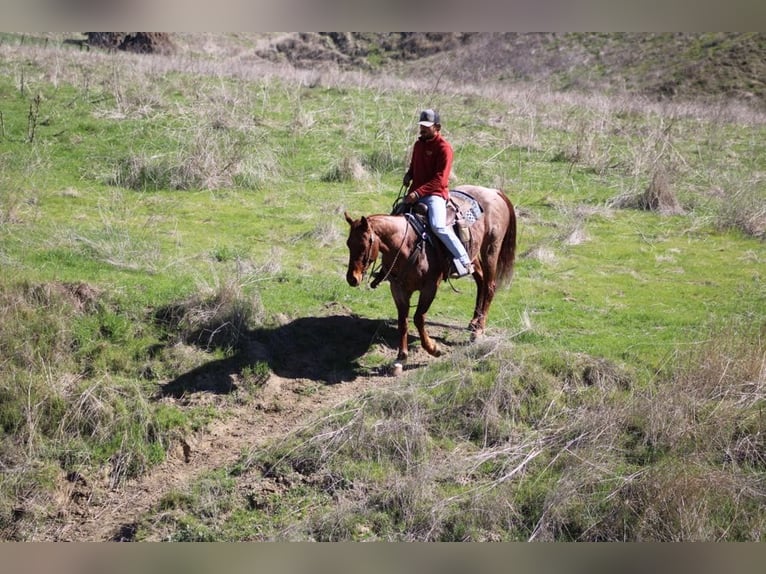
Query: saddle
[[462, 212]]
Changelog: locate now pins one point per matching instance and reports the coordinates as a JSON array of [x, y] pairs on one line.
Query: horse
[[410, 263]]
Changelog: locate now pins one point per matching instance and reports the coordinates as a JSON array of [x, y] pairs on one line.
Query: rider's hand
[[411, 197]]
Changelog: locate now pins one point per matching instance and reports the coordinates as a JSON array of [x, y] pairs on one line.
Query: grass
[[156, 214], [518, 448]]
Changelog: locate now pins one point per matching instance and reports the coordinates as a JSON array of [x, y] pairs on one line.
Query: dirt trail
[[314, 366], [89, 510]]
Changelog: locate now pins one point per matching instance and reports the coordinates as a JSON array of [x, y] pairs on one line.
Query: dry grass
[[658, 197], [61, 408], [575, 451], [347, 168], [208, 158], [694, 441], [744, 209], [55, 411], [217, 320]]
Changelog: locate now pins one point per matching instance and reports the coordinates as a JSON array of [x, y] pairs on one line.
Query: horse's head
[[362, 249]]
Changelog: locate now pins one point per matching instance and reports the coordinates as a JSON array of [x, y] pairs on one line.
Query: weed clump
[[744, 210], [216, 321], [348, 168], [210, 159], [658, 197], [137, 42]]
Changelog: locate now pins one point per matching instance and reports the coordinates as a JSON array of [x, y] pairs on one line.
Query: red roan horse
[[411, 264]]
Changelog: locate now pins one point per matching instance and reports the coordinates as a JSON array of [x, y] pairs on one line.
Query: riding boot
[[379, 276], [459, 269]]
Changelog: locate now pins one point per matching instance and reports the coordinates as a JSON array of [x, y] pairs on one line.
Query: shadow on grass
[[326, 349]]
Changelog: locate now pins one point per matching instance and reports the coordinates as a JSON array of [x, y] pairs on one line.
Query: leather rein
[[368, 256]]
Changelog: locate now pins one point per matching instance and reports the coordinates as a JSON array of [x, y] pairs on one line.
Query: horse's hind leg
[[486, 285], [427, 295]]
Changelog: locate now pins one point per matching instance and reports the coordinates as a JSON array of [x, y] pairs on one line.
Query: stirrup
[[458, 270]]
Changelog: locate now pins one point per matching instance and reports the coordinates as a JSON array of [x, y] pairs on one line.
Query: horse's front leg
[[427, 295], [402, 301]]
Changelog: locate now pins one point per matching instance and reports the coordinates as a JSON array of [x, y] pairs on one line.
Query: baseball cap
[[428, 118]]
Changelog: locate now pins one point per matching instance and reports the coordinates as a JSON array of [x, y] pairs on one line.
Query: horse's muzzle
[[353, 279]]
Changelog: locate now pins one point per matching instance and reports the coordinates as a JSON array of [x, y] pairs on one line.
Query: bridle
[[379, 279], [368, 258]]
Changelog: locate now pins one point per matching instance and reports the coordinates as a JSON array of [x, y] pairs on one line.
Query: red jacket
[[430, 167]]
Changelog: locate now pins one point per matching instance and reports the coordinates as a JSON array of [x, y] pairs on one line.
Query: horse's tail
[[507, 259]]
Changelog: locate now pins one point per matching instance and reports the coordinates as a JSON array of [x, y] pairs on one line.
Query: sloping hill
[[666, 65], [669, 65]]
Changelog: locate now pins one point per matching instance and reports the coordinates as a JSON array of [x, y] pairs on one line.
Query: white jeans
[[437, 219]]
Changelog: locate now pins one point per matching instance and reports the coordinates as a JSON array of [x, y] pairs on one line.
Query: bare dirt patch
[[301, 386], [91, 511], [138, 42]]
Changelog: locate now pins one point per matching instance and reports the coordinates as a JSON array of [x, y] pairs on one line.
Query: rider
[[427, 182]]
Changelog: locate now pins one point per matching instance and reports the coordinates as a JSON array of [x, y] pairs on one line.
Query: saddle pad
[[472, 211]]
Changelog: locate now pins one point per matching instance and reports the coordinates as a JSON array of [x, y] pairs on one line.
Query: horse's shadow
[[326, 349]]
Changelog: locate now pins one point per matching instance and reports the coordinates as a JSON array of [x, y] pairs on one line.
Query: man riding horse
[[410, 263], [427, 183]]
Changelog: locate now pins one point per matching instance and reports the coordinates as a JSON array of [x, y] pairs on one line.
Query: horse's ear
[[348, 217]]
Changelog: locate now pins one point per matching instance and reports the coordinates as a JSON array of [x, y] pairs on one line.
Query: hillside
[[669, 65]]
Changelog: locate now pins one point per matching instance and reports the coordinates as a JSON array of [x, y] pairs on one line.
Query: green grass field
[[154, 185]]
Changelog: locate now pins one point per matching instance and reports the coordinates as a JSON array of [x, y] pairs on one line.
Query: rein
[[378, 280]]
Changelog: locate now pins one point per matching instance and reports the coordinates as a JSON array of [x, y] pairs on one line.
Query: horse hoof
[[397, 369]]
